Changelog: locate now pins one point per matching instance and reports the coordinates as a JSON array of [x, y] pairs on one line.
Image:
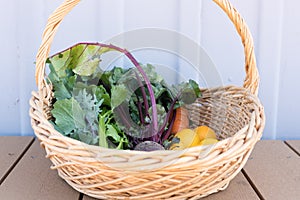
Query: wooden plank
[[295, 145], [33, 179], [238, 189], [274, 169], [11, 150]]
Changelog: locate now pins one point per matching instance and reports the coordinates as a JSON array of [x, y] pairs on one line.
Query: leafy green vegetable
[[68, 115], [112, 132], [119, 94], [83, 108], [117, 108], [102, 131], [161, 114], [87, 61], [91, 107], [62, 85], [186, 92], [153, 76]]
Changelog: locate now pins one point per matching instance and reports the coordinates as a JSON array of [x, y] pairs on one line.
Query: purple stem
[[168, 133], [167, 118], [139, 105], [149, 87], [137, 65], [143, 94]]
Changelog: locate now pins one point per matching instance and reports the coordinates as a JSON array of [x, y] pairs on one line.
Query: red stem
[[149, 87], [143, 94], [138, 66], [139, 105]]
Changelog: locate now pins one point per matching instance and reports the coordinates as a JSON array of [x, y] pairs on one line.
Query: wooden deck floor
[[272, 172]]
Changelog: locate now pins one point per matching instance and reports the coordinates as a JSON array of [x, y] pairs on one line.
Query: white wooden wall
[[275, 25]]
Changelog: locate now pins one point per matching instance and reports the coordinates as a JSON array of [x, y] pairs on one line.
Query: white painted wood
[[221, 41], [274, 25], [288, 119], [269, 55], [9, 52], [30, 22], [79, 25]]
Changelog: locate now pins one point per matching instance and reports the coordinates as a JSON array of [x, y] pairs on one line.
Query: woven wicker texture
[[235, 113]]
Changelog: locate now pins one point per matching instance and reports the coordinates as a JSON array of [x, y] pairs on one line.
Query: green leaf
[[91, 107], [53, 76], [187, 92], [62, 86], [116, 74], [102, 94], [161, 114], [86, 59], [99, 91], [112, 132], [87, 101], [60, 63], [119, 94], [83, 59], [68, 115], [153, 76], [61, 91], [196, 88], [102, 131], [86, 137]]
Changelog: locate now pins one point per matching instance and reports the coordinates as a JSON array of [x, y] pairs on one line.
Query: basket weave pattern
[[235, 113]]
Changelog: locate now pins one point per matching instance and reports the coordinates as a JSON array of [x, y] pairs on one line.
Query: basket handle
[[252, 77]]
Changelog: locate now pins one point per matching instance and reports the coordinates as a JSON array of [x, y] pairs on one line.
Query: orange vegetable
[[205, 132], [187, 138], [181, 120]]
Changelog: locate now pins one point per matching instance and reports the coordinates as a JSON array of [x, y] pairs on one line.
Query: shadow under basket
[[235, 113]]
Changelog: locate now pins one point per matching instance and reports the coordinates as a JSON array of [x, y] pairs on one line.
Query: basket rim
[[95, 148]]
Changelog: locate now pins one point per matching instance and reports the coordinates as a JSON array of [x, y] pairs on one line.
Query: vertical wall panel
[[9, 52], [154, 13], [110, 19], [30, 23], [79, 25], [193, 55], [289, 82], [274, 25], [269, 52], [190, 19], [221, 41], [162, 16], [222, 44]]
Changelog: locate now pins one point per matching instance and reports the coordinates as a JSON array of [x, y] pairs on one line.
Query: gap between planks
[[256, 190], [80, 196], [14, 164], [272, 169], [37, 180], [293, 148]]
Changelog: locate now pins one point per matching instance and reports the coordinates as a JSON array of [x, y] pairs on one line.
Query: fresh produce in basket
[[205, 132], [181, 120], [185, 138], [108, 173], [123, 108]]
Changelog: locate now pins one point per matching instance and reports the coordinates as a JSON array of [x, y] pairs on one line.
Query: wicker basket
[[234, 112]]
